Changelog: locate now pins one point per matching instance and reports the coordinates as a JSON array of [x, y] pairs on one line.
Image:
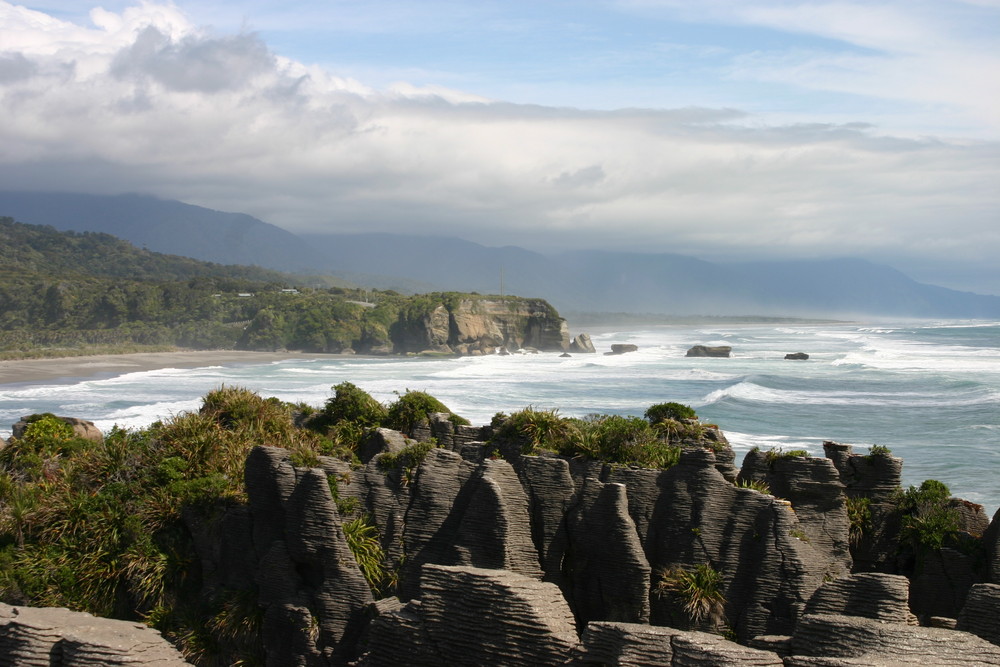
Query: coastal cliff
[[436, 542], [472, 325]]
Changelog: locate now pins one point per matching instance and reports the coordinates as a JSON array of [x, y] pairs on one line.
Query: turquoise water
[[930, 391]]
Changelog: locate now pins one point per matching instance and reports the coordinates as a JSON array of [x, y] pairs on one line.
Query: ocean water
[[930, 391]]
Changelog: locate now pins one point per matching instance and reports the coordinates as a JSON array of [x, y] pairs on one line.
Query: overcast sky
[[717, 128]]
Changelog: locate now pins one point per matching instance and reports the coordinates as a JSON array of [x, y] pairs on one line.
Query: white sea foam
[[751, 391]]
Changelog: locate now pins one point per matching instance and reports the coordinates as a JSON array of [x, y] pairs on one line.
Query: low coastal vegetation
[[698, 592], [653, 442]]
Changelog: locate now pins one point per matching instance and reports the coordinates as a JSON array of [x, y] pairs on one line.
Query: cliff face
[[481, 325]]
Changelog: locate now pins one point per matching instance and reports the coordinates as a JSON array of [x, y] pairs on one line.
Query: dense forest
[[64, 293]]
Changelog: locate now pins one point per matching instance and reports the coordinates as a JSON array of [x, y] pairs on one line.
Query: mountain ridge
[[577, 280]]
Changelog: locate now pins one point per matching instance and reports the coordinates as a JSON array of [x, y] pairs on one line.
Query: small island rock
[[709, 351], [797, 356], [582, 344]]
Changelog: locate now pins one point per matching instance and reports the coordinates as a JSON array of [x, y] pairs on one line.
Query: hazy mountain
[[580, 280], [167, 226]]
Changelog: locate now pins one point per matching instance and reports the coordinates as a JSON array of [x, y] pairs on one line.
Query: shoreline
[[57, 369]]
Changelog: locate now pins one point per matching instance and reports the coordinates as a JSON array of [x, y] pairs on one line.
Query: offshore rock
[[709, 351], [622, 348], [55, 637], [582, 344], [797, 356]]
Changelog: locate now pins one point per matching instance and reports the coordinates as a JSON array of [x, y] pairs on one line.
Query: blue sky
[[720, 128]]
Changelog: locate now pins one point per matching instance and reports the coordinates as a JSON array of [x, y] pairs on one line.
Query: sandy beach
[[54, 370]]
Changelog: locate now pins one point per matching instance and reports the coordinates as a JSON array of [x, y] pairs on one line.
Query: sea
[[927, 390]]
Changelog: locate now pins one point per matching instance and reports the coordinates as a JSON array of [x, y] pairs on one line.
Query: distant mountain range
[[591, 280]]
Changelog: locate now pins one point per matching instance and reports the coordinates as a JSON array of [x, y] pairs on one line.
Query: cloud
[[193, 63], [15, 67], [144, 101]]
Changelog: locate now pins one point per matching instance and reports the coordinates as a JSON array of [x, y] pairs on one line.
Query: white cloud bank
[[145, 101]]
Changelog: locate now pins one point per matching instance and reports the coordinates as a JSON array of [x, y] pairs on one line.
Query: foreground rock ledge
[[55, 637]]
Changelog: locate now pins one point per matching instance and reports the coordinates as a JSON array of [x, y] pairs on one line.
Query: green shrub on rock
[[414, 407], [699, 592], [676, 411], [537, 430], [351, 404], [928, 520]]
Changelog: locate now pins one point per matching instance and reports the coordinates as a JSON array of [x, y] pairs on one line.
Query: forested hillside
[[64, 293]]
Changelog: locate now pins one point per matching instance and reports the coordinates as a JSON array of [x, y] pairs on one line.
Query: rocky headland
[[474, 325], [502, 552]]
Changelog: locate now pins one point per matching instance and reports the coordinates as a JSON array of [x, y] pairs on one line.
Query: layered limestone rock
[[54, 637], [310, 587], [881, 597], [690, 514], [634, 645], [814, 488], [981, 612], [448, 434], [875, 478], [461, 513], [482, 325], [991, 543], [600, 532], [822, 639], [474, 616], [608, 574], [381, 441]]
